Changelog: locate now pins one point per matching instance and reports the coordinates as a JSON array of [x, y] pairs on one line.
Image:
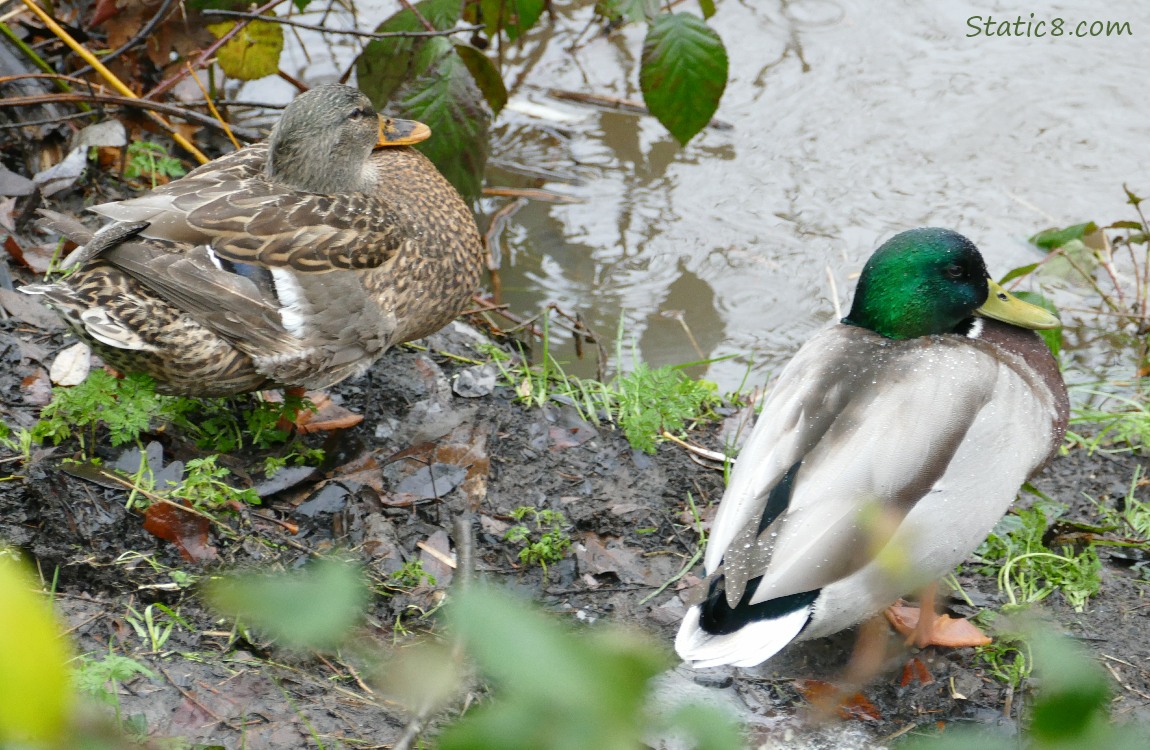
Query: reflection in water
[[851, 123], [695, 328]]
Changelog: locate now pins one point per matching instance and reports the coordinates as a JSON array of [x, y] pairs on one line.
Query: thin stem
[[347, 32]]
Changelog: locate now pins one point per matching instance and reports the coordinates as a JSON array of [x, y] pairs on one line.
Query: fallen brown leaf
[[826, 695], [187, 530]]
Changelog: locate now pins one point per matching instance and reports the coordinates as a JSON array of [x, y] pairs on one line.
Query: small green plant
[[643, 402], [1008, 658], [203, 486], [1112, 262], [18, 441], [100, 678], [651, 401], [1117, 423], [1133, 520], [411, 575], [544, 544], [150, 628], [152, 160], [126, 407], [223, 425], [1014, 552]]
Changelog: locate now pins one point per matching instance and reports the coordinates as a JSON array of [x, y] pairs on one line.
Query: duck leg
[[924, 627]]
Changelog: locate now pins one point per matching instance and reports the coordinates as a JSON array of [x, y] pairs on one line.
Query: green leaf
[[709, 726], [334, 594], [1124, 225], [252, 53], [632, 10], [1052, 239], [301, 5], [386, 64], [1074, 693], [486, 76], [447, 100], [1019, 272], [683, 73], [707, 8], [35, 697], [513, 17], [555, 688]]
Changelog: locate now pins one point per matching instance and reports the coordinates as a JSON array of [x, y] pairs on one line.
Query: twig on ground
[[704, 452], [682, 572], [192, 699]]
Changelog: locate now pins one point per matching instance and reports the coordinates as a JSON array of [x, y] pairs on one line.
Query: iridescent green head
[[928, 281]]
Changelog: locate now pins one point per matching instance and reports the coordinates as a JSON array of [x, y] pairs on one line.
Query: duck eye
[[954, 271], [358, 113]]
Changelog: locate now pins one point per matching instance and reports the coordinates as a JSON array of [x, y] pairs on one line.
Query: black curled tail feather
[[716, 617]]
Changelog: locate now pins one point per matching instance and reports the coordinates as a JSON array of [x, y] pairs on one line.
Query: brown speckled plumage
[[232, 279]]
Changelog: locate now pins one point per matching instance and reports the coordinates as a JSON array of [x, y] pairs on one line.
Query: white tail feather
[[748, 646]]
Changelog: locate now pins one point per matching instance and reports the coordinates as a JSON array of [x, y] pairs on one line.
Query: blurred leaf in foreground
[[1070, 710], [315, 607], [683, 73], [35, 694], [554, 688]]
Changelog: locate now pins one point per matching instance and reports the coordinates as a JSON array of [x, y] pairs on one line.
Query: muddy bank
[[389, 494]]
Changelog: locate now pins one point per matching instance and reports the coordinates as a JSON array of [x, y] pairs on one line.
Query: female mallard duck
[[295, 262], [887, 450]]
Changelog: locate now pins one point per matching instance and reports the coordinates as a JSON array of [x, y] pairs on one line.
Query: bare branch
[[348, 32]]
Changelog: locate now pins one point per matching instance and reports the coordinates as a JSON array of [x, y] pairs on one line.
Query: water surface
[[852, 121]]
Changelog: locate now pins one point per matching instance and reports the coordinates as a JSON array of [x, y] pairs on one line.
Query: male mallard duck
[[295, 262], [886, 451]]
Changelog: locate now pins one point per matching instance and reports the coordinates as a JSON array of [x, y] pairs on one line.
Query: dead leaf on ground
[[327, 416], [71, 365], [825, 695], [434, 553], [13, 184], [364, 469], [37, 387], [187, 530], [432, 482], [27, 310], [63, 175], [36, 258], [598, 557]]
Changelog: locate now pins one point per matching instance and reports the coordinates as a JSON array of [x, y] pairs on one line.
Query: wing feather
[[879, 427]]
